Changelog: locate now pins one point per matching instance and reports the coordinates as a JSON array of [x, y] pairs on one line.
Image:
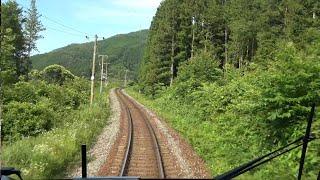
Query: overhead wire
[[63, 31], [69, 27], [75, 32]]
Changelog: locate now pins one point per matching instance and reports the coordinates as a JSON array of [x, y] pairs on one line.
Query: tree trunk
[[240, 60], [192, 43], [252, 51], [225, 49], [206, 42], [314, 15], [286, 22], [1, 122], [248, 51], [285, 17], [172, 61]]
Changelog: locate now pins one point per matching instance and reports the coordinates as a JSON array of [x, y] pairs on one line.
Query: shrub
[[249, 114], [56, 74], [21, 92], [50, 154], [202, 68], [35, 106], [7, 77], [26, 119]]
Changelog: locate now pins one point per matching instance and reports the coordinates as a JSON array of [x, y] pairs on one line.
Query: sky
[[69, 21]]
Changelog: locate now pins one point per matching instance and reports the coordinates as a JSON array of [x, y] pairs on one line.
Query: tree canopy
[[236, 33]]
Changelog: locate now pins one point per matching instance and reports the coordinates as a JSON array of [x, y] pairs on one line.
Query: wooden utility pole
[[93, 69], [102, 69], [106, 74], [101, 78]]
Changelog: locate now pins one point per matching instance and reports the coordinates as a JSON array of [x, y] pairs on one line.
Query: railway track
[[142, 154]]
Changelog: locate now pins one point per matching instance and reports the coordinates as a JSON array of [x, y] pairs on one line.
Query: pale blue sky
[[103, 17]]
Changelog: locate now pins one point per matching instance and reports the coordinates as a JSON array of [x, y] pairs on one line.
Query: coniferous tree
[[33, 27], [244, 25], [237, 32], [7, 65], [12, 22], [214, 30]]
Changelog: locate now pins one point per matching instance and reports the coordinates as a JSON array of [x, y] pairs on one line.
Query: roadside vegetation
[[47, 119], [233, 119], [45, 115], [237, 79]]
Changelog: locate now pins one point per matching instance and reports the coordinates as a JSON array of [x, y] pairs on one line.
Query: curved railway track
[[142, 156]]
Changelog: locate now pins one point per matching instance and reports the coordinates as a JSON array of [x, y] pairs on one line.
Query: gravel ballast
[[101, 149], [191, 165], [186, 162]]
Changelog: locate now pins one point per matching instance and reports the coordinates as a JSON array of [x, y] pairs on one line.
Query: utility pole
[[102, 69], [125, 78], [106, 74], [93, 69], [101, 78]]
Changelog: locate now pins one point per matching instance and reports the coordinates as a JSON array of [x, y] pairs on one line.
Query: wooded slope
[[124, 51]]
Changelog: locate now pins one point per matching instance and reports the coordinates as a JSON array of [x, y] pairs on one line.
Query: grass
[[50, 154], [225, 145]]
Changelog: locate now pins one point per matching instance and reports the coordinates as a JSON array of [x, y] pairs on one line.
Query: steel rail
[[125, 164], [156, 146]]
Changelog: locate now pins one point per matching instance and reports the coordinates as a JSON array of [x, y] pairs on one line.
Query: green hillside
[[124, 51]]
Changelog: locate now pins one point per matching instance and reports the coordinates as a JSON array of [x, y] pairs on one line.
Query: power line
[[84, 34], [59, 23], [66, 32], [67, 28]]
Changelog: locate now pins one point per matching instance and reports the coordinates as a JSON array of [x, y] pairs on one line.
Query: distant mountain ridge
[[125, 51]]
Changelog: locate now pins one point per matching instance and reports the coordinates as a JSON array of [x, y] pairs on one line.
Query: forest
[[45, 114], [124, 51], [236, 78]]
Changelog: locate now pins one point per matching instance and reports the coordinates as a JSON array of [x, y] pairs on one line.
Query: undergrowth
[[226, 144], [49, 154], [235, 116]]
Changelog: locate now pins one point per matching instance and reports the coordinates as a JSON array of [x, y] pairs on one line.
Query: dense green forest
[[125, 51], [237, 79], [234, 33], [45, 115]]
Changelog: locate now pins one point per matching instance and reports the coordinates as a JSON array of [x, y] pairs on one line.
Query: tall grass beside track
[[50, 154]]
